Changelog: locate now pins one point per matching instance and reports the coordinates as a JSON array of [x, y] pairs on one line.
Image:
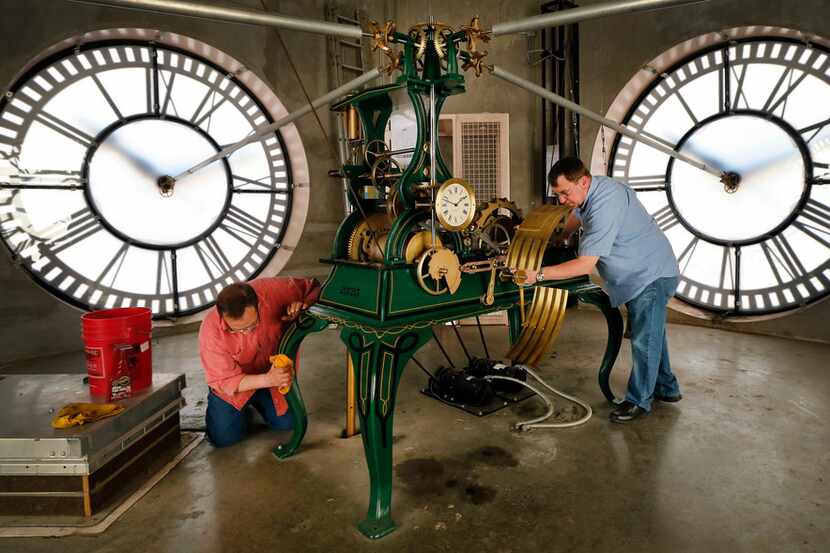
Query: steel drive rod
[[622, 129], [290, 118], [235, 15], [575, 15]]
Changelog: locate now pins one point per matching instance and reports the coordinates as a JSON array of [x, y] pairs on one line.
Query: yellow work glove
[[281, 361], [74, 414]]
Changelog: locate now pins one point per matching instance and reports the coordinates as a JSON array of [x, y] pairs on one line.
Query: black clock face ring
[[118, 181], [772, 162], [758, 107], [85, 135]]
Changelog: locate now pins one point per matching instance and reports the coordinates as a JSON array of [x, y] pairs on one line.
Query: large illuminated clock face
[[759, 108], [85, 136]]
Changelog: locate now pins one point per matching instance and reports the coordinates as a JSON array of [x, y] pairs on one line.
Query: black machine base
[[468, 390]]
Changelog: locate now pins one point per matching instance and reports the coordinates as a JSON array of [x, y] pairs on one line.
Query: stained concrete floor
[[741, 464]]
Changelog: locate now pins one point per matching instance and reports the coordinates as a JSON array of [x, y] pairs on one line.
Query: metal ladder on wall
[[347, 63]]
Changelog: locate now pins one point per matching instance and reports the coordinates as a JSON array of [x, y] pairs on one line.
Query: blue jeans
[[227, 426], [651, 371]]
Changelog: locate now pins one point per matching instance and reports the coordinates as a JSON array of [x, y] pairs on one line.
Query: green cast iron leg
[[613, 319], [289, 345], [299, 418], [378, 367]]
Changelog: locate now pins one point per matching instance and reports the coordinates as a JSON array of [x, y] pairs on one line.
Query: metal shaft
[[235, 15], [622, 129], [432, 145], [290, 118], [575, 15]]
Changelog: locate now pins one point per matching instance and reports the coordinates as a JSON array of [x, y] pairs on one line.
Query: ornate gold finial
[[476, 62], [475, 35], [381, 37], [381, 40], [394, 61]]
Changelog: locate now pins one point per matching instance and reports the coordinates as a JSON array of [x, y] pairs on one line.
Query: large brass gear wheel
[[438, 271], [488, 209], [420, 242], [497, 219], [367, 240]]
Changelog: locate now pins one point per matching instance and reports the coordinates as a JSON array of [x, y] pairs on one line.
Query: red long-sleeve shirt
[[227, 357]]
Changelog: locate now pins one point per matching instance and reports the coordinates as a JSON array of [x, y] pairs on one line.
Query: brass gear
[[496, 225], [394, 206], [361, 243], [420, 242], [489, 208]]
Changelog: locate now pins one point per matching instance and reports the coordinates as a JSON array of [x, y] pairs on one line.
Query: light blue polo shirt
[[633, 252]]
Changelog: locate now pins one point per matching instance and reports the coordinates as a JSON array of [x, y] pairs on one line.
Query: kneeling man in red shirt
[[236, 340]]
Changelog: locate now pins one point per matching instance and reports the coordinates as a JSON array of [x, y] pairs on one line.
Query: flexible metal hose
[[537, 422]]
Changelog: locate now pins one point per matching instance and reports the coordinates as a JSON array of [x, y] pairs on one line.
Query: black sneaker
[[627, 412]]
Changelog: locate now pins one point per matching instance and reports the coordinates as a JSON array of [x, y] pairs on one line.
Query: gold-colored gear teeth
[[493, 206], [361, 236], [355, 240]]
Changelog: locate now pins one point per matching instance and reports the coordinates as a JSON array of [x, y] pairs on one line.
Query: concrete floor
[[741, 464]]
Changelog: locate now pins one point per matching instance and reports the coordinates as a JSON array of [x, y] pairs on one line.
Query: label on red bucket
[[93, 362], [121, 388]]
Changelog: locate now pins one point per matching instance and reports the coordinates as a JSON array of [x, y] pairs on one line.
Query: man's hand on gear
[[531, 276], [294, 310], [524, 277]]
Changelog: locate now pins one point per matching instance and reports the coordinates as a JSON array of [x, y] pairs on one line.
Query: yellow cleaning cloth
[[281, 361], [74, 414]]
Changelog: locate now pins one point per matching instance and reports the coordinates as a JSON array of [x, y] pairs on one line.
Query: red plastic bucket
[[118, 353]]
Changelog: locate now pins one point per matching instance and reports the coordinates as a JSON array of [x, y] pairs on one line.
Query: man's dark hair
[[571, 167], [233, 300]]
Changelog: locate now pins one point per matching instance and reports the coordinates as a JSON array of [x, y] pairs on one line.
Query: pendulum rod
[[481, 334], [421, 365], [432, 142], [622, 129], [441, 347], [522, 304], [460, 341]]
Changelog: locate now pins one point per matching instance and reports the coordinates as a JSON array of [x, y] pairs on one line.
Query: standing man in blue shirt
[[638, 265]]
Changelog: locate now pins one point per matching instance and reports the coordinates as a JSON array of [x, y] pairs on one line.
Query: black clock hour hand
[[139, 163]]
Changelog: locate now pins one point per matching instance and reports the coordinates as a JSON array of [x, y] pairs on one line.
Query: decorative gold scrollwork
[[382, 38], [475, 36]]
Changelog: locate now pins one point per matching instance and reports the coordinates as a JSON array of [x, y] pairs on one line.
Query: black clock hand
[[142, 165]]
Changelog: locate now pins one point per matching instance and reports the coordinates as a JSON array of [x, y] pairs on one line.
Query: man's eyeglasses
[[565, 193], [245, 329]]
